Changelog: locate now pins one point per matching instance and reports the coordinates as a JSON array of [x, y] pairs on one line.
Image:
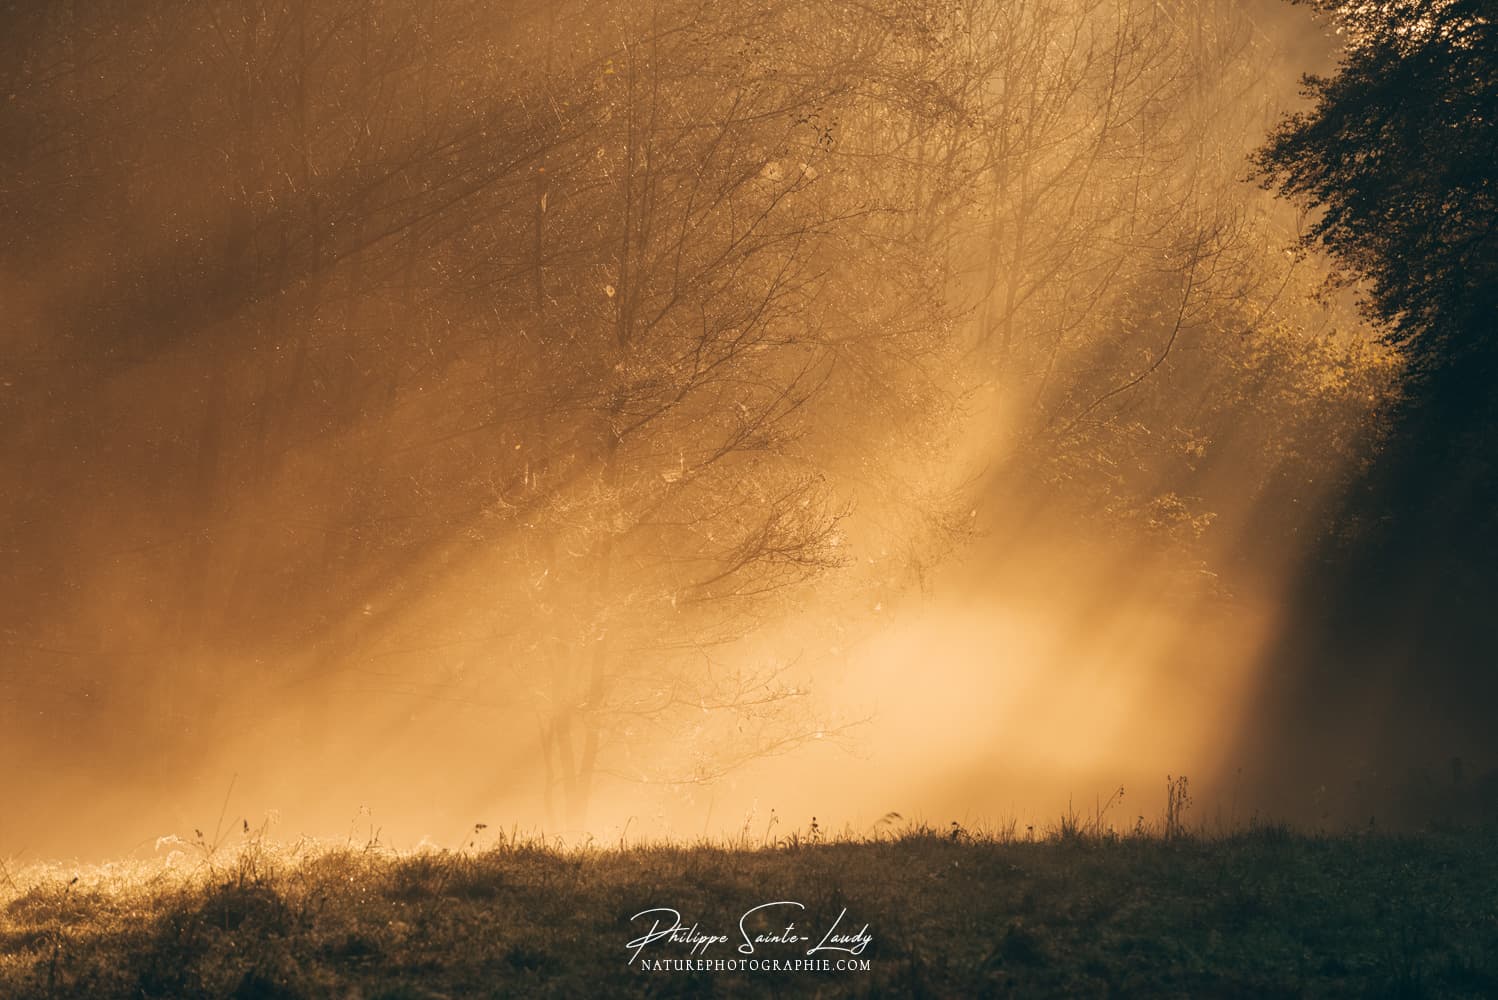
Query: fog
[[625, 420]]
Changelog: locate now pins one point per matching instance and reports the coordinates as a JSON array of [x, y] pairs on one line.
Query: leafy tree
[[1399, 156], [1396, 161]]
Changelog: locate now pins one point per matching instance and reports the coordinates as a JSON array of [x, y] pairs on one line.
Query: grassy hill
[[1262, 913]]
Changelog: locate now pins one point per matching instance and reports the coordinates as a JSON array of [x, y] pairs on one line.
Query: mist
[[623, 420]]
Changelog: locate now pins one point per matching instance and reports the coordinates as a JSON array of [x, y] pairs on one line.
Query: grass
[[1078, 910]]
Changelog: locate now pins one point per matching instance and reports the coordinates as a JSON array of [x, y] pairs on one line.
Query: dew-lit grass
[[1067, 911]]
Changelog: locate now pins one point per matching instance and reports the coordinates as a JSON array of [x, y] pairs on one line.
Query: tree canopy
[[1396, 165], [1399, 156]]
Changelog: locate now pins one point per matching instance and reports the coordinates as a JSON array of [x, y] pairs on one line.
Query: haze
[[660, 419]]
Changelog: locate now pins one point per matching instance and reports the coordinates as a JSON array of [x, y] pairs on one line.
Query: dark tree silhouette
[[1397, 161], [1400, 154]]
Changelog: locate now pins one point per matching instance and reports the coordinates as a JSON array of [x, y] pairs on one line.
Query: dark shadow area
[[1379, 695]]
